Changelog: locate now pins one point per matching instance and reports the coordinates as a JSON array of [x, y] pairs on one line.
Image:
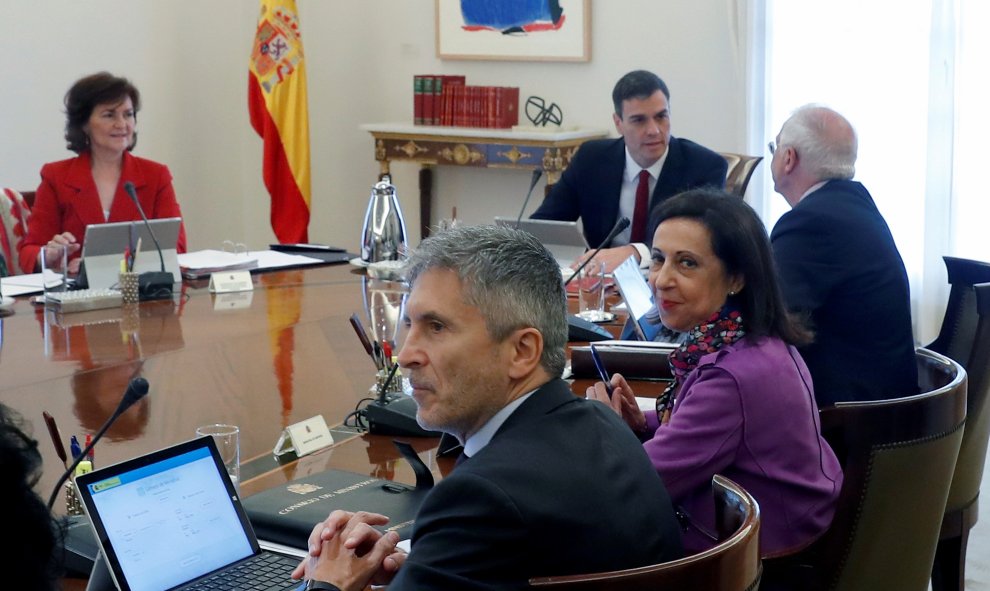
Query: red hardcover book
[[446, 101], [460, 98], [491, 111], [428, 100], [509, 113], [474, 106], [418, 100], [437, 94]]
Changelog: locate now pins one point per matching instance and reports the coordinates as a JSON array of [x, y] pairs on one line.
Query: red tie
[[640, 212]]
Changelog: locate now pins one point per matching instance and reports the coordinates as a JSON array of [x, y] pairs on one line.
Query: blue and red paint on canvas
[[512, 16]]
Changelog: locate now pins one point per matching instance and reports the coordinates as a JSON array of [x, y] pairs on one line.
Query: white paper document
[[17, 285]]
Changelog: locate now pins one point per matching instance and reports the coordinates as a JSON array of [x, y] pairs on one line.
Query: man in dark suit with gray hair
[[551, 484], [839, 265]]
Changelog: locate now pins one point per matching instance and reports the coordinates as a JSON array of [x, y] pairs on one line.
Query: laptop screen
[[564, 240], [167, 518]]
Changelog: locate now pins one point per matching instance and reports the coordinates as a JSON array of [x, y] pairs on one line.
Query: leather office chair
[[14, 216], [741, 168], [732, 565], [898, 457], [965, 337]]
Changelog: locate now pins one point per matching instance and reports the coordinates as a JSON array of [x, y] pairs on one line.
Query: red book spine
[[457, 106], [490, 109], [428, 99], [438, 84], [509, 114], [418, 100], [475, 106], [457, 84]]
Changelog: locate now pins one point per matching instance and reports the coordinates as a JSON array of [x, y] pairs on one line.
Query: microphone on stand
[[620, 225], [532, 185], [136, 390], [152, 285]]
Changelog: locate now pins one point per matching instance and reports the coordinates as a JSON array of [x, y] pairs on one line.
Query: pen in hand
[[601, 370]]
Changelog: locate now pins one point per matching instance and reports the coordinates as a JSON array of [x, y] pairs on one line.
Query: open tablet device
[[104, 246], [644, 318], [173, 517]]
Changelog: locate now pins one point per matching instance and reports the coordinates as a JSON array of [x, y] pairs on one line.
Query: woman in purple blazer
[[742, 403]]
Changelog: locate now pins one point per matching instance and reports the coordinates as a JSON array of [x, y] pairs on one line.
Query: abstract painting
[[535, 30]]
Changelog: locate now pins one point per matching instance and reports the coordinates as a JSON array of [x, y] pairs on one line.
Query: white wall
[[189, 59]]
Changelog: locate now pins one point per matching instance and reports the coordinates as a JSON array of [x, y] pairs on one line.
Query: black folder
[[287, 513]]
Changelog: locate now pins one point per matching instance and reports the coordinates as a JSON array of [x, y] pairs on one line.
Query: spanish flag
[[277, 104]]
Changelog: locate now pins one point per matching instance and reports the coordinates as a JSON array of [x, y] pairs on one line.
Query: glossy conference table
[[286, 354], [261, 360]]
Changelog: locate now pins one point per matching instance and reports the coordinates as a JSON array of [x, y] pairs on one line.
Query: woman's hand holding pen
[[622, 401]]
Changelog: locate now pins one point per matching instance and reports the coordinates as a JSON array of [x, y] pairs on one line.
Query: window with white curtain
[[970, 203], [912, 78]]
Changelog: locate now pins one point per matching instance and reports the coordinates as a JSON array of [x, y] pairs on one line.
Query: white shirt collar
[[632, 168], [480, 439], [812, 189]]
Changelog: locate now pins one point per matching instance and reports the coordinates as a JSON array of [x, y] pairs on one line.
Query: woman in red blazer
[[101, 112]]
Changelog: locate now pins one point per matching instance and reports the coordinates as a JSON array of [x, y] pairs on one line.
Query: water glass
[[54, 268], [591, 292], [228, 440]]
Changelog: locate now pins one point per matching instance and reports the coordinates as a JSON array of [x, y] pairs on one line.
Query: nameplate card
[[230, 281], [304, 437]]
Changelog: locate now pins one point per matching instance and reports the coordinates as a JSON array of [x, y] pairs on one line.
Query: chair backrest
[[965, 337], [956, 337], [898, 457], [732, 565], [741, 168], [14, 216]]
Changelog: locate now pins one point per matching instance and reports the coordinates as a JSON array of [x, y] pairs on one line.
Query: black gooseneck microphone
[[137, 388], [151, 285], [620, 225], [537, 173]]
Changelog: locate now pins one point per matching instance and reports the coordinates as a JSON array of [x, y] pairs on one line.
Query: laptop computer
[[644, 318], [564, 240], [104, 245], [173, 520]]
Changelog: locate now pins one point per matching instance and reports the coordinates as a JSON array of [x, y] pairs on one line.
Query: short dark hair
[[509, 276], [26, 517], [82, 98], [638, 84], [739, 240]]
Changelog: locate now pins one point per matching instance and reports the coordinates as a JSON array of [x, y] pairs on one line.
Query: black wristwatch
[[314, 585]]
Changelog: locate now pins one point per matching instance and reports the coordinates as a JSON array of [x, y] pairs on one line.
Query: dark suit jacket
[[838, 264], [589, 188], [564, 487], [67, 201]]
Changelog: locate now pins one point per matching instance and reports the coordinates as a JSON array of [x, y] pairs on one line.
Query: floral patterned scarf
[[724, 327]]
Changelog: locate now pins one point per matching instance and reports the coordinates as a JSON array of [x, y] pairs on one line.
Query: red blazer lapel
[[123, 208], [86, 201]]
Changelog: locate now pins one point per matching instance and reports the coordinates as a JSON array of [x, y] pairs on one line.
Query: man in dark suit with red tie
[[552, 484], [631, 176]]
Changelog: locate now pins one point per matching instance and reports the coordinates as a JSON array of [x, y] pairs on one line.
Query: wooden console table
[[550, 151]]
